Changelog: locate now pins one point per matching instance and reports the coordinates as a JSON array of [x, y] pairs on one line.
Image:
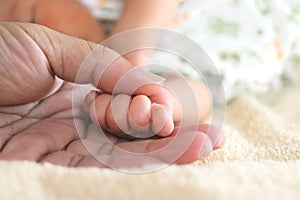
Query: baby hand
[[153, 110], [138, 116]]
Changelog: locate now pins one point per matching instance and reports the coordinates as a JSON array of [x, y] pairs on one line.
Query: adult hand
[[38, 121]]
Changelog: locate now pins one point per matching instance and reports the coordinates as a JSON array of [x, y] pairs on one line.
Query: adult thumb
[[80, 61]]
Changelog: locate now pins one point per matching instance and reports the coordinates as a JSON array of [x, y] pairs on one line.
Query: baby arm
[[146, 13], [69, 17]]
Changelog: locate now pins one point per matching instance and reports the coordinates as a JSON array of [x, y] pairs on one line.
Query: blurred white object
[[254, 43]]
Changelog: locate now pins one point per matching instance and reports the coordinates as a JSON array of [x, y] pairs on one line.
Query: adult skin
[[37, 120]]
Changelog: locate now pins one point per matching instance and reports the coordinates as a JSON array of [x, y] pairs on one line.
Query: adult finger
[[183, 149], [37, 140], [64, 55], [31, 50]]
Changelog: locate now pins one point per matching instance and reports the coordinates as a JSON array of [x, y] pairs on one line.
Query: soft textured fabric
[[260, 160]]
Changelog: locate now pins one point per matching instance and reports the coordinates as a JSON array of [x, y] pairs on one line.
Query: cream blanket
[[260, 160]]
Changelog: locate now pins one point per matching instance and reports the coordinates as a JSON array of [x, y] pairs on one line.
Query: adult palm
[[39, 120]]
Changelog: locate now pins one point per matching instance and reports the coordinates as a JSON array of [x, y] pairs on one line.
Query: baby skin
[[155, 110], [150, 110]]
